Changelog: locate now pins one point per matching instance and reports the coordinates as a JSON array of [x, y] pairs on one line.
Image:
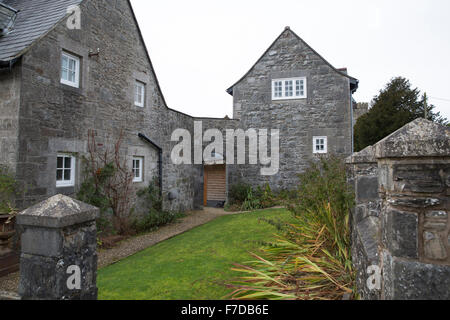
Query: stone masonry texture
[[58, 234], [41, 118], [325, 112], [404, 230]]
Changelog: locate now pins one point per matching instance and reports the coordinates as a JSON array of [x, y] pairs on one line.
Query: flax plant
[[310, 259]]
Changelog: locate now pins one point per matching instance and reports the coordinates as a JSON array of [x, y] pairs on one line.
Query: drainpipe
[[353, 88], [351, 112], [160, 155]]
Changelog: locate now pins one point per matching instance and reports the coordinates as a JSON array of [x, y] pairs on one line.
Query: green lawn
[[193, 265]]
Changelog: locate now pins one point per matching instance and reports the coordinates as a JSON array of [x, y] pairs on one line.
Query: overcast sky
[[201, 47]]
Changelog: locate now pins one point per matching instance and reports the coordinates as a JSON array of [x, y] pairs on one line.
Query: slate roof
[[35, 19]]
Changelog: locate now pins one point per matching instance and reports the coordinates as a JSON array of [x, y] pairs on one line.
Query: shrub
[[238, 193], [244, 197], [155, 216], [8, 189], [155, 219], [108, 183], [251, 203], [152, 195], [310, 258], [325, 181], [266, 196]]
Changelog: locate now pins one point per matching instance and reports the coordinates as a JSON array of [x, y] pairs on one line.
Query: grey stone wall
[[185, 182], [407, 233], [10, 83], [359, 110], [223, 125], [325, 112], [179, 182], [55, 118]]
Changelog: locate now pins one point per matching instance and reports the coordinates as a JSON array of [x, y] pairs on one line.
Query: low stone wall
[[401, 228]]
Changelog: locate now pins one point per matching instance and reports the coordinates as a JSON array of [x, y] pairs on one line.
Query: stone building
[[293, 89], [359, 110], [66, 72]]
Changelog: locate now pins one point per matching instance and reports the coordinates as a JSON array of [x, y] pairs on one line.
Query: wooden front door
[[215, 183]]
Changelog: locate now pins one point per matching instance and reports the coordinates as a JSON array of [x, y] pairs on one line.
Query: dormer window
[[288, 89]]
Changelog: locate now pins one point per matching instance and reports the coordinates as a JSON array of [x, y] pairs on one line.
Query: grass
[[194, 265]]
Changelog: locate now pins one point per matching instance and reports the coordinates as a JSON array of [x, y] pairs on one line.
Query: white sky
[[201, 47]]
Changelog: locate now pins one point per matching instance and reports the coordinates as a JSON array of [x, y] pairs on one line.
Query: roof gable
[[34, 19], [288, 30]]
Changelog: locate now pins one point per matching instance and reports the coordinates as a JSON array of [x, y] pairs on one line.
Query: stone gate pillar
[[58, 258], [362, 173], [414, 186]]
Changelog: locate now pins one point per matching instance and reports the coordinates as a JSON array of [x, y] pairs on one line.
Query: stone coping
[[58, 212]]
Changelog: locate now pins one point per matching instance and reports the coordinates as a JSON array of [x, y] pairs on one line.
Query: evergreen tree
[[396, 105]]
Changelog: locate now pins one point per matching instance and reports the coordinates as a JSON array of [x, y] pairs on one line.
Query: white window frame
[[325, 150], [140, 178], [66, 183], [139, 85], [284, 82], [76, 83]]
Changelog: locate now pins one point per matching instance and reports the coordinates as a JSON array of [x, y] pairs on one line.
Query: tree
[[108, 182], [396, 105]]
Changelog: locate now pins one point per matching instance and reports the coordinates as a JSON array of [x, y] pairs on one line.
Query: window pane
[[59, 175], [289, 88], [72, 76], [60, 162], [67, 175], [67, 163], [65, 62], [299, 88], [64, 74], [139, 93], [278, 89]]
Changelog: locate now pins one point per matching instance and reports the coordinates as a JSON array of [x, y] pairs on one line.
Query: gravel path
[[133, 245]]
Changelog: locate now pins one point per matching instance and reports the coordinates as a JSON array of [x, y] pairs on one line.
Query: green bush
[[155, 217], [8, 189], [246, 198], [152, 195], [266, 197], [251, 203], [92, 193], [238, 193], [324, 182], [311, 258]]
